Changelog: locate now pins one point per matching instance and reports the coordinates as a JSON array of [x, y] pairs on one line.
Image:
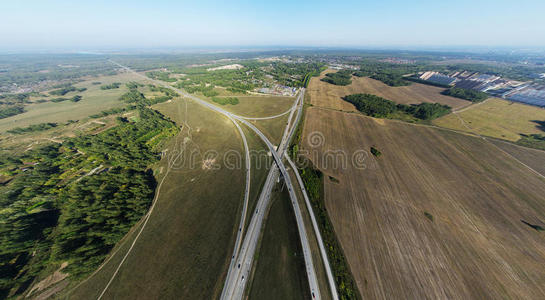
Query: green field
[[496, 118], [280, 267], [257, 106], [262, 106]]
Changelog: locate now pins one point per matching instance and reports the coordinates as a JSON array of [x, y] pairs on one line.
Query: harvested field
[[436, 216], [327, 95], [497, 118], [534, 158]]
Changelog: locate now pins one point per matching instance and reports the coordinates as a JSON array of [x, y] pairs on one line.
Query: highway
[[267, 118], [238, 273], [236, 281], [247, 161], [323, 252]]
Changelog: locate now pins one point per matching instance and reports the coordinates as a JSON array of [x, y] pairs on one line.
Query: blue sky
[[33, 24]]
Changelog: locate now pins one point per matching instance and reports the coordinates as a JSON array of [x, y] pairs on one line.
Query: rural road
[[238, 274]]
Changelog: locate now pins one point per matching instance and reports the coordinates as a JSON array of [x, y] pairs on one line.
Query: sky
[[97, 24]]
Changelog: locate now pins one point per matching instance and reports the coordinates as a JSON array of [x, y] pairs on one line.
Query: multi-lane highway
[[236, 281], [325, 261], [243, 254]]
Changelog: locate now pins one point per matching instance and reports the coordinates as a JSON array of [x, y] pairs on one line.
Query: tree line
[[338, 78], [65, 89], [379, 107], [471, 95]]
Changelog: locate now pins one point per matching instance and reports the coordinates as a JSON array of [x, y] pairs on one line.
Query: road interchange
[[243, 254]]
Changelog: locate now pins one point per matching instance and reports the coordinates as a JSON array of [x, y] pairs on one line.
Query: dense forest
[[379, 107], [390, 74], [338, 78], [471, 95], [390, 79], [72, 202]]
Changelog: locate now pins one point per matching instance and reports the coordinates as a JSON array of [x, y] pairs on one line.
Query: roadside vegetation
[[346, 286], [313, 181]]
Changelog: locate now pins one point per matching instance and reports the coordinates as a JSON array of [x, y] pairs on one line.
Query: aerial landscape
[[282, 150]]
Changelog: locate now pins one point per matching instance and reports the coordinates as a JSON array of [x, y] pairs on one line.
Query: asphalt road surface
[[239, 271]]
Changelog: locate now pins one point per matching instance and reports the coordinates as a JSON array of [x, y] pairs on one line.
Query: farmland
[[534, 158], [327, 95], [393, 250], [434, 216], [427, 210], [497, 118]]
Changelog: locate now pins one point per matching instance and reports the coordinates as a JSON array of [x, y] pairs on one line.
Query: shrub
[[375, 152]]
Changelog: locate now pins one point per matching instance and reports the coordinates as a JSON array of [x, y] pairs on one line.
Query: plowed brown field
[[474, 247]]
